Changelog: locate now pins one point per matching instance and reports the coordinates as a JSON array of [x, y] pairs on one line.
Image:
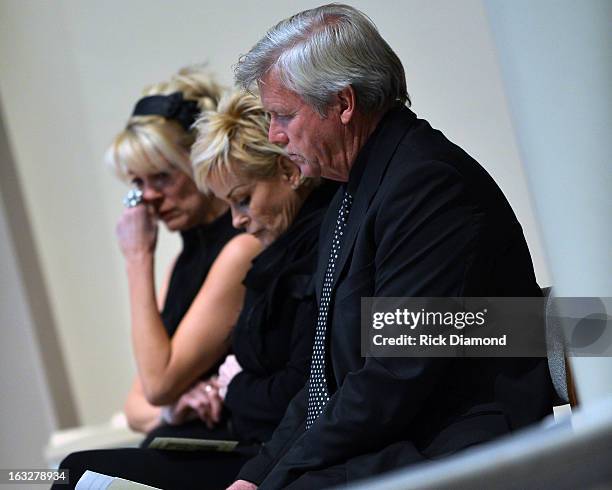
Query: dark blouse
[[273, 337], [201, 245], [272, 342]]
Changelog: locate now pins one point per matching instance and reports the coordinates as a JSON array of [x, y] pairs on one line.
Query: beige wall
[[71, 71], [26, 414]]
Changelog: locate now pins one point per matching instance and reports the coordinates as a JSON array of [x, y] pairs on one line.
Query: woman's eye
[[162, 176], [137, 182], [161, 179], [244, 202]]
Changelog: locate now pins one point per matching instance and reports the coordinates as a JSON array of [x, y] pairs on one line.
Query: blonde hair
[[234, 138], [153, 143]]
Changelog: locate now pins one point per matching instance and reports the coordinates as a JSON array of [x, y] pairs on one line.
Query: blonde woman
[[272, 340], [180, 332]]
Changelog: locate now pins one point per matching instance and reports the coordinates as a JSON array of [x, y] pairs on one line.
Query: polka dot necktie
[[317, 385]]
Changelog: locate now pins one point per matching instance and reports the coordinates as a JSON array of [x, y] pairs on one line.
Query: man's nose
[[276, 134]]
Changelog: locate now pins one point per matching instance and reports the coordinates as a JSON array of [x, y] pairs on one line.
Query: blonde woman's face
[[265, 208], [174, 197]]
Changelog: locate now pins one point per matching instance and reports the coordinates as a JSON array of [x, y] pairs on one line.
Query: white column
[[556, 63]]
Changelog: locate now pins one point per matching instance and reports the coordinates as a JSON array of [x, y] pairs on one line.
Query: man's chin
[[308, 170]]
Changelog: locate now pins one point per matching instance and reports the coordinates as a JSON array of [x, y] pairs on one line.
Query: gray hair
[[319, 52]]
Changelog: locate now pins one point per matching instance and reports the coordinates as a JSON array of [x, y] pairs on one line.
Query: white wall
[[71, 72], [557, 65], [26, 416]]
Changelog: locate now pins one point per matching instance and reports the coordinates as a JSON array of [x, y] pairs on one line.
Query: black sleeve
[[290, 428], [424, 234], [262, 401]]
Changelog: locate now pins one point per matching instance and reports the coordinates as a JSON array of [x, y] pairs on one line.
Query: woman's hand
[[242, 485], [202, 399], [178, 413], [137, 231], [227, 371]]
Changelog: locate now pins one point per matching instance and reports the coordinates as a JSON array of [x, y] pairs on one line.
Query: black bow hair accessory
[[171, 106]]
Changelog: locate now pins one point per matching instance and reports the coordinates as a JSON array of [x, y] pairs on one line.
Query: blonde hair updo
[[234, 138], [153, 143]]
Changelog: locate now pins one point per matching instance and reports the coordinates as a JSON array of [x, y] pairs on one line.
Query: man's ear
[[289, 171], [348, 104]]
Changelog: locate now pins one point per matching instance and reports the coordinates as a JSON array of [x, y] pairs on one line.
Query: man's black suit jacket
[[427, 220]]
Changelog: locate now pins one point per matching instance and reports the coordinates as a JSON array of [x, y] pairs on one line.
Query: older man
[[416, 216]]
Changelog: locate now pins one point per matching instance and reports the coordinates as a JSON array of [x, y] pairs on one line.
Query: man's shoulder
[[424, 155], [422, 144]]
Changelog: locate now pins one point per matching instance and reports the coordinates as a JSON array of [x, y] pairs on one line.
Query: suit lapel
[[387, 137]]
